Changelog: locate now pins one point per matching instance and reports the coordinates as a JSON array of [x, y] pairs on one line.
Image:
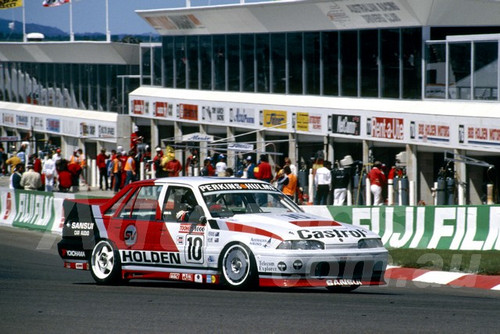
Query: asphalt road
[[37, 295]]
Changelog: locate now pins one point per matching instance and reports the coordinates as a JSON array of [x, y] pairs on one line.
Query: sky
[[89, 16]]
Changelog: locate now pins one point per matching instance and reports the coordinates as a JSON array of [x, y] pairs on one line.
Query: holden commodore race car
[[239, 232]]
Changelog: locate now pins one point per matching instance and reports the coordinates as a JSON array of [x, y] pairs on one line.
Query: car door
[[186, 234], [137, 224]]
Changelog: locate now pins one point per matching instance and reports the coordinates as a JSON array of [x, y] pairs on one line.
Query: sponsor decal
[[8, 206], [213, 114], [187, 111], [236, 186], [180, 240], [81, 225], [387, 128], [130, 235], [198, 278], [87, 130], [139, 107], [343, 282], [333, 233], [175, 276], [276, 119], [267, 266], [161, 108], [242, 116], [346, 124], [483, 136], [150, 257], [22, 121], [187, 277], [72, 253], [106, 131], [258, 242], [34, 210], [192, 229], [53, 125]]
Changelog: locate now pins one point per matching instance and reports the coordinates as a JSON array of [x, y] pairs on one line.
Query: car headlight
[[301, 245], [370, 243]]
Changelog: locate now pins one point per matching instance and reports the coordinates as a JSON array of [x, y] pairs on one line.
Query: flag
[[53, 3], [8, 4]]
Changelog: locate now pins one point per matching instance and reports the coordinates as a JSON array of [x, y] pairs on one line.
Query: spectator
[[288, 162], [15, 177], [13, 161], [76, 170], [377, 181], [263, 170], [340, 181], [173, 167], [129, 168], [290, 189], [117, 170], [221, 166], [229, 172], [49, 171], [65, 180], [31, 180], [3, 159], [208, 169], [322, 181], [157, 163], [103, 171], [249, 169]]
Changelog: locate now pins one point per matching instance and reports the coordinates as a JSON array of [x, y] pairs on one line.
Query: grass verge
[[477, 262]]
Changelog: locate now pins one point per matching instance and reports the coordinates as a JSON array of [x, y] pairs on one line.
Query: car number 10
[[194, 249]]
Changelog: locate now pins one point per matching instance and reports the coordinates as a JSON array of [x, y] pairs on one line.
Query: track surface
[[38, 295]]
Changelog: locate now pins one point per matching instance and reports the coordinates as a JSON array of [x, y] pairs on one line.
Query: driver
[[188, 206]]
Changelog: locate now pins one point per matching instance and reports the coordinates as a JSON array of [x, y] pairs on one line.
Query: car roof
[[199, 180]]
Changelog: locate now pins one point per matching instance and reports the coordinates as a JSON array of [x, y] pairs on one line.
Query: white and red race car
[[238, 232]]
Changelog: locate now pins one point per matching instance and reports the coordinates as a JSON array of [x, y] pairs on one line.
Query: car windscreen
[[230, 203]]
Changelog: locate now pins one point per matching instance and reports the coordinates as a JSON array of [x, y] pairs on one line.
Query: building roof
[[71, 53], [314, 15]]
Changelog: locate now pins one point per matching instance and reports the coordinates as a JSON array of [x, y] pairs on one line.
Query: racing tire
[[238, 267], [105, 263], [342, 289]]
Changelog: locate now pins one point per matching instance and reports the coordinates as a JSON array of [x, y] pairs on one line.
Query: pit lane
[[38, 295]]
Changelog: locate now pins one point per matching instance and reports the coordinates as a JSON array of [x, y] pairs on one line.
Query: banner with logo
[[428, 227], [8, 4]]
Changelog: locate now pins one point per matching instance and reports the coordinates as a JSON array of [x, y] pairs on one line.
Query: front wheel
[[238, 267], [105, 263]]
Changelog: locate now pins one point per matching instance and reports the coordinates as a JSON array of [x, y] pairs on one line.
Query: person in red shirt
[[377, 181], [65, 180], [103, 171], [264, 171], [173, 167]]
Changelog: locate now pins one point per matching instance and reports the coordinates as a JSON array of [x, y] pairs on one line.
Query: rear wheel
[[238, 267], [105, 263]]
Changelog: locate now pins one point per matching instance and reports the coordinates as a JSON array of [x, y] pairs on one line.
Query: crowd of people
[[119, 167]]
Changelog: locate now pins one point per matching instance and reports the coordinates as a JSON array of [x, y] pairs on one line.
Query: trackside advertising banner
[[428, 227], [34, 210]]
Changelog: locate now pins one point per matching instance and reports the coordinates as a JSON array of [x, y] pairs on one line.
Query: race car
[[239, 232]]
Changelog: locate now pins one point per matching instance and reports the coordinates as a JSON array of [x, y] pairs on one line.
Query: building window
[[219, 58], [168, 61], [435, 77], [330, 63], [278, 63], [349, 59], [369, 63], [248, 63], [486, 70], [459, 71], [180, 60], [262, 52], [192, 62], [205, 52], [390, 56], [233, 63], [312, 56]]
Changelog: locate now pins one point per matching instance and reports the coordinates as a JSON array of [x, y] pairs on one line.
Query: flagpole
[[24, 25], [71, 33], [108, 33]]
